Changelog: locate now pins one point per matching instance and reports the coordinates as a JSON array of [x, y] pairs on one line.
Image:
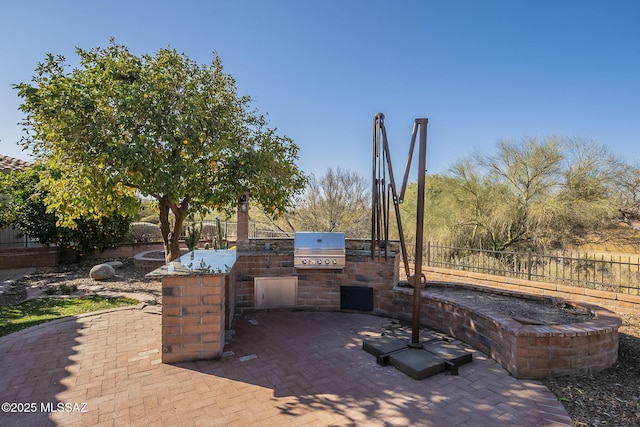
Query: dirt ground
[[609, 398], [526, 311]]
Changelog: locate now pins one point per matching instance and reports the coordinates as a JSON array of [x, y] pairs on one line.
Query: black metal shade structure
[[384, 193]]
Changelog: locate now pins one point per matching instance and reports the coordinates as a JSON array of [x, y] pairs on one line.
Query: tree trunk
[[171, 236], [173, 251]]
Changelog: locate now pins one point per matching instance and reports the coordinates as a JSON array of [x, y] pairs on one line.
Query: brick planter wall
[[28, 257], [526, 351], [193, 317]]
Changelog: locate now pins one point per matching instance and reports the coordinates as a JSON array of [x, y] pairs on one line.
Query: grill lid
[[319, 250], [318, 240]]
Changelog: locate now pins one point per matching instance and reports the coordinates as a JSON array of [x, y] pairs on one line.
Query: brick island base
[[193, 313]]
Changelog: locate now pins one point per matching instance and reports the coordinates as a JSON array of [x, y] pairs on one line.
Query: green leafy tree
[[156, 125], [535, 195], [586, 205], [24, 208], [446, 218]]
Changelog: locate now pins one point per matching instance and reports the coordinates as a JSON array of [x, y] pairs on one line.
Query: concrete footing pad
[[417, 361], [383, 345], [449, 352]]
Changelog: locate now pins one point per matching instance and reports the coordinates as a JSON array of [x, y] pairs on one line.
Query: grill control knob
[[319, 262], [304, 261], [326, 261], [335, 261]]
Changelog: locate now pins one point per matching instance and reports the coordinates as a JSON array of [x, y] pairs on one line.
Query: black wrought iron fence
[[616, 273], [228, 230]]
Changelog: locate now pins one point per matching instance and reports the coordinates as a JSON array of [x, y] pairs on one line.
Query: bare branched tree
[[339, 201], [628, 185]]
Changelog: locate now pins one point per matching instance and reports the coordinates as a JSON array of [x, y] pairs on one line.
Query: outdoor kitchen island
[[194, 308], [354, 282], [204, 289]]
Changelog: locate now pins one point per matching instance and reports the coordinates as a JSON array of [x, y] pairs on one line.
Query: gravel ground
[[58, 280], [609, 398]]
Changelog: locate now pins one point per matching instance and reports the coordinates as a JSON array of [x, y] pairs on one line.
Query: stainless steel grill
[[319, 250]]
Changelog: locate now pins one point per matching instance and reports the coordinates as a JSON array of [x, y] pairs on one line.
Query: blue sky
[[481, 71]]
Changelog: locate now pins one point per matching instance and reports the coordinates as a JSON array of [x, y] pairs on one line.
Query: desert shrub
[[144, 232], [62, 289], [154, 219], [192, 237]]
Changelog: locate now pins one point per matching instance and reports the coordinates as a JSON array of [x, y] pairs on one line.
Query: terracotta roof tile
[[10, 163]]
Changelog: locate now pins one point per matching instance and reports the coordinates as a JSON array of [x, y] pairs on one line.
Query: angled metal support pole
[[380, 197]]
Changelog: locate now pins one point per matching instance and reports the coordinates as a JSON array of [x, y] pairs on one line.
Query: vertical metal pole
[[417, 284], [374, 182]]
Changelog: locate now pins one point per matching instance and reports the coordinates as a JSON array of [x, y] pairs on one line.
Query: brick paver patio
[[280, 369]]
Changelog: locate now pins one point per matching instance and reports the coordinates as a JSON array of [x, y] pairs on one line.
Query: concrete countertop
[[199, 262]]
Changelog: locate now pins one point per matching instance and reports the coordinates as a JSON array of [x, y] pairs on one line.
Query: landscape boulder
[[102, 272], [114, 264]]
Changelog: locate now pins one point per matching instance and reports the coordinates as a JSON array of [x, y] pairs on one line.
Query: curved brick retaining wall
[[526, 351]]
